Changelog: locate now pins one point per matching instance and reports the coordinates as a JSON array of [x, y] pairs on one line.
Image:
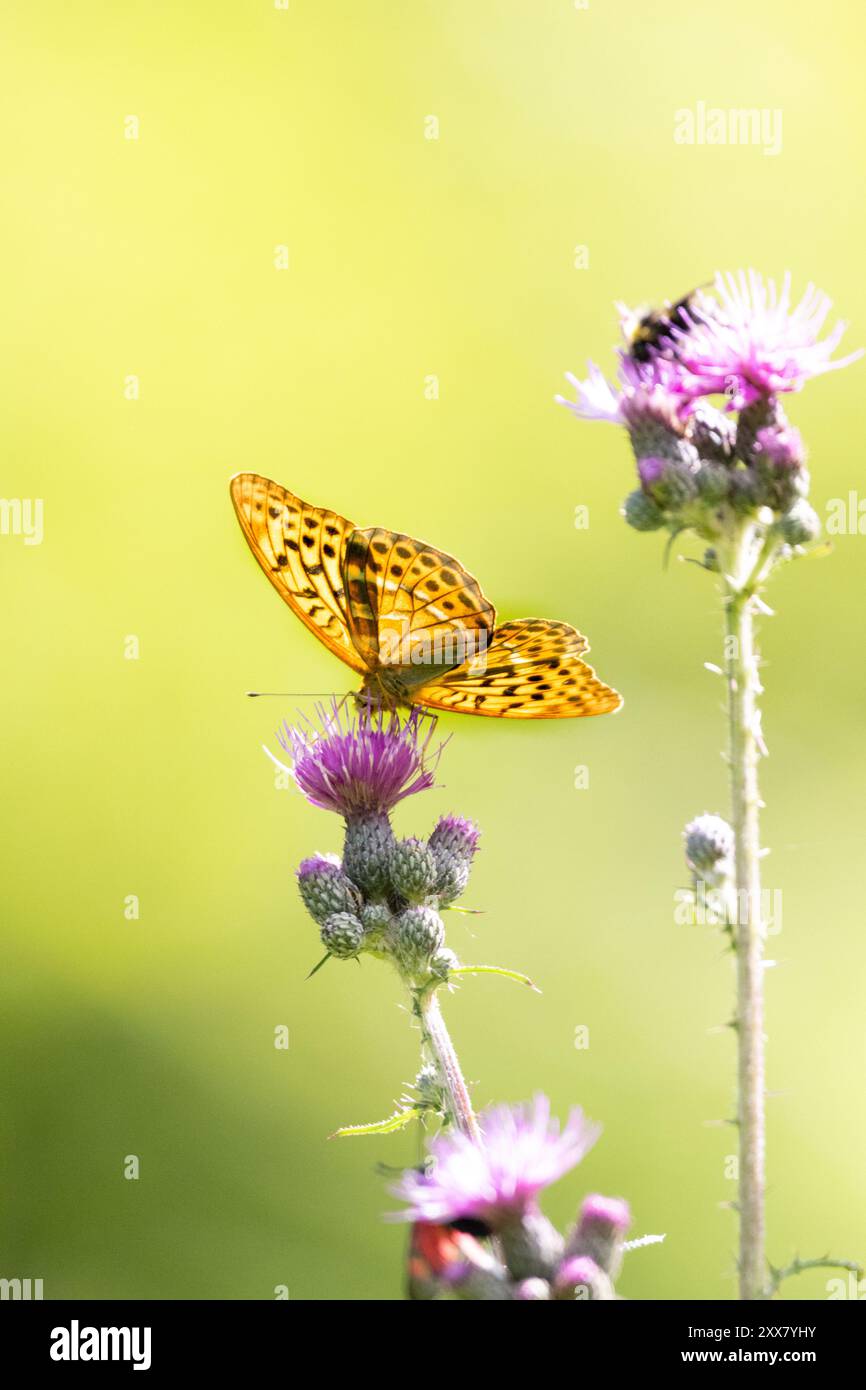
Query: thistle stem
[[744, 748], [435, 1035]]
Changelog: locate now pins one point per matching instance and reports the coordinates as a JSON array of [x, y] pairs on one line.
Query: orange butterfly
[[409, 619]]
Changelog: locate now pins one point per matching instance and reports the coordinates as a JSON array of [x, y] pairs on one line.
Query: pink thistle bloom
[[596, 398], [610, 1212], [523, 1151], [359, 766], [753, 343], [659, 387]]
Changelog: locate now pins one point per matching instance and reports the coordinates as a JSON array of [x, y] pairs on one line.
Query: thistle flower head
[[608, 1212], [746, 340], [655, 390], [453, 844], [455, 835], [577, 1269], [532, 1291], [596, 398], [359, 765], [780, 447], [754, 343], [600, 1231], [523, 1152], [579, 1277]]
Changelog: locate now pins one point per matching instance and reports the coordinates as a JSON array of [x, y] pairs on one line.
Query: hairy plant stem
[[435, 1037], [750, 561]]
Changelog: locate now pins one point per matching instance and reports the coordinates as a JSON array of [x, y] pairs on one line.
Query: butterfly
[[441, 1257], [409, 619]]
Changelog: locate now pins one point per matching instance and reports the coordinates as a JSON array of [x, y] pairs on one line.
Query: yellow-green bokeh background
[[408, 257]]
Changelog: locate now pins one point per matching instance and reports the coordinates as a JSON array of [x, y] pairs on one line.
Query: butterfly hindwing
[[302, 550], [533, 670], [411, 604]]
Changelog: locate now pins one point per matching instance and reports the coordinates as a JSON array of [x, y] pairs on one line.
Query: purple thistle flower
[[523, 1151], [600, 1230], [596, 398], [455, 835], [660, 388], [359, 766], [577, 1270], [782, 448], [609, 1212], [650, 470], [753, 343]]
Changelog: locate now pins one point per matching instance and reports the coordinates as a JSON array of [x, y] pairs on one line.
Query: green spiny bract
[[325, 888], [366, 854], [419, 935], [342, 935], [412, 870]]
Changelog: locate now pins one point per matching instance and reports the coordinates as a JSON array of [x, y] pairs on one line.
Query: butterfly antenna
[[292, 694]]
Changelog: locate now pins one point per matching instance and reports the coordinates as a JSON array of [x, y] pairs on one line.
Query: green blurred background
[[408, 257]]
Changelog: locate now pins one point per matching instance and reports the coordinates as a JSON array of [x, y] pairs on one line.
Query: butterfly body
[[395, 686], [409, 619]]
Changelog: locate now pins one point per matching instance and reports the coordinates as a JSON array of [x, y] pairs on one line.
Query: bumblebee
[[650, 332]]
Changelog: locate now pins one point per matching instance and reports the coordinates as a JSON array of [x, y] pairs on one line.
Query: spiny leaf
[[398, 1120], [495, 970]]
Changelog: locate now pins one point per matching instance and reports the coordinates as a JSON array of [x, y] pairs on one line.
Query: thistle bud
[[325, 889], [412, 870], [342, 934], [654, 426], [800, 524], [453, 844], [580, 1279], [641, 512], [780, 457], [430, 1090], [376, 919], [532, 1291], [600, 1232], [748, 492], [780, 447], [419, 935], [712, 432], [366, 853], [443, 963], [762, 414], [670, 484], [709, 843], [714, 483]]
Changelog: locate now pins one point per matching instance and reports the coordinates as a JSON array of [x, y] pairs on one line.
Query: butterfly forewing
[[302, 550], [412, 605], [533, 670]]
